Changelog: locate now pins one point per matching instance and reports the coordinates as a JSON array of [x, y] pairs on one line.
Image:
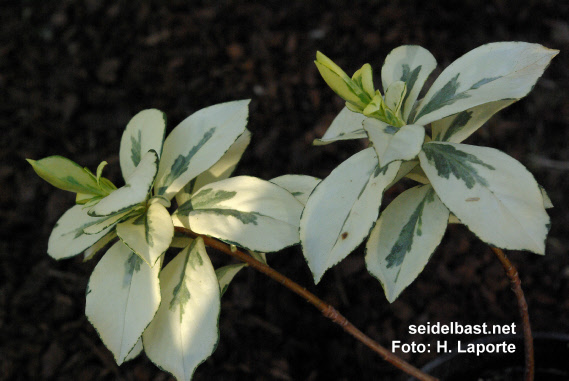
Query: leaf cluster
[[171, 312]]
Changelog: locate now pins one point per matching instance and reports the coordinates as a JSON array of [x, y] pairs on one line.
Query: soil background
[[72, 73]]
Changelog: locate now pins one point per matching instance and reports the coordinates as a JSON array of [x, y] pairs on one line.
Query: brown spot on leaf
[[472, 199], [344, 235]]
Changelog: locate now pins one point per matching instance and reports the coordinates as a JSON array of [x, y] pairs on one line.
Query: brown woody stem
[[326, 309], [516, 286]]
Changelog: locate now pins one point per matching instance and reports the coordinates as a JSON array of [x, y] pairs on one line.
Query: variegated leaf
[[493, 72], [98, 246], [363, 78], [65, 174], [160, 200], [490, 192], [340, 82], [300, 186], [136, 351], [452, 219], [456, 128], [392, 143], [405, 168], [198, 143], [143, 133], [226, 274], [261, 257], [134, 192], [227, 164], [395, 95], [417, 174], [180, 240], [85, 198], [149, 234], [411, 64], [342, 209], [220, 170], [184, 331], [110, 220], [68, 237], [123, 296], [347, 125], [404, 237], [547, 204], [246, 211]]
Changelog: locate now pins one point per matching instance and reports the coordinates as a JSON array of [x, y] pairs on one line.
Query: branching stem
[[515, 283], [326, 309]]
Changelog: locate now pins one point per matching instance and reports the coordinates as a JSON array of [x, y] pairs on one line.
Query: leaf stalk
[[327, 310]]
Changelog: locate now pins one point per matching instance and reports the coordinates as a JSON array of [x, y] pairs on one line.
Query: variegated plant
[[133, 302], [486, 190], [171, 311]]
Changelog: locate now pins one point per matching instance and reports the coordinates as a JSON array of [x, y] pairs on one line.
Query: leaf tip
[[390, 297], [317, 277], [317, 274]]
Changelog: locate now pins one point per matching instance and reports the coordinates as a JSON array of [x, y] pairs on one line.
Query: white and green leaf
[[405, 168], [493, 72], [199, 142], [143, 133], [219, 171], [123, 296], [411, 64], [342, 209], [245, 211], [149, 234], [226, 274], [404, 238], [392, 143], [180, 240], [261, 257], [417, 174], [227, 164], [452, 219], [87, 198], [65, 174], [160, 200], [184, 331], [490, 192], [98, 246], [110, 220], [363, 78], [136, 351], [394, 97], [68, 237], [547, 204], [456, 128], [347, 125], [134, 192], [300, 186]]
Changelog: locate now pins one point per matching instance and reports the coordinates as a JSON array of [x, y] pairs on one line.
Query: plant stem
[[515, 283], [326, 309]]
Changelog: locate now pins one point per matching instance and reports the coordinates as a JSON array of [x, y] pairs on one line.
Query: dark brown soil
[[72, 73]]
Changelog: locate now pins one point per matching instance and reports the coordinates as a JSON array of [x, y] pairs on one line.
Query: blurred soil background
[[72, 73]]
